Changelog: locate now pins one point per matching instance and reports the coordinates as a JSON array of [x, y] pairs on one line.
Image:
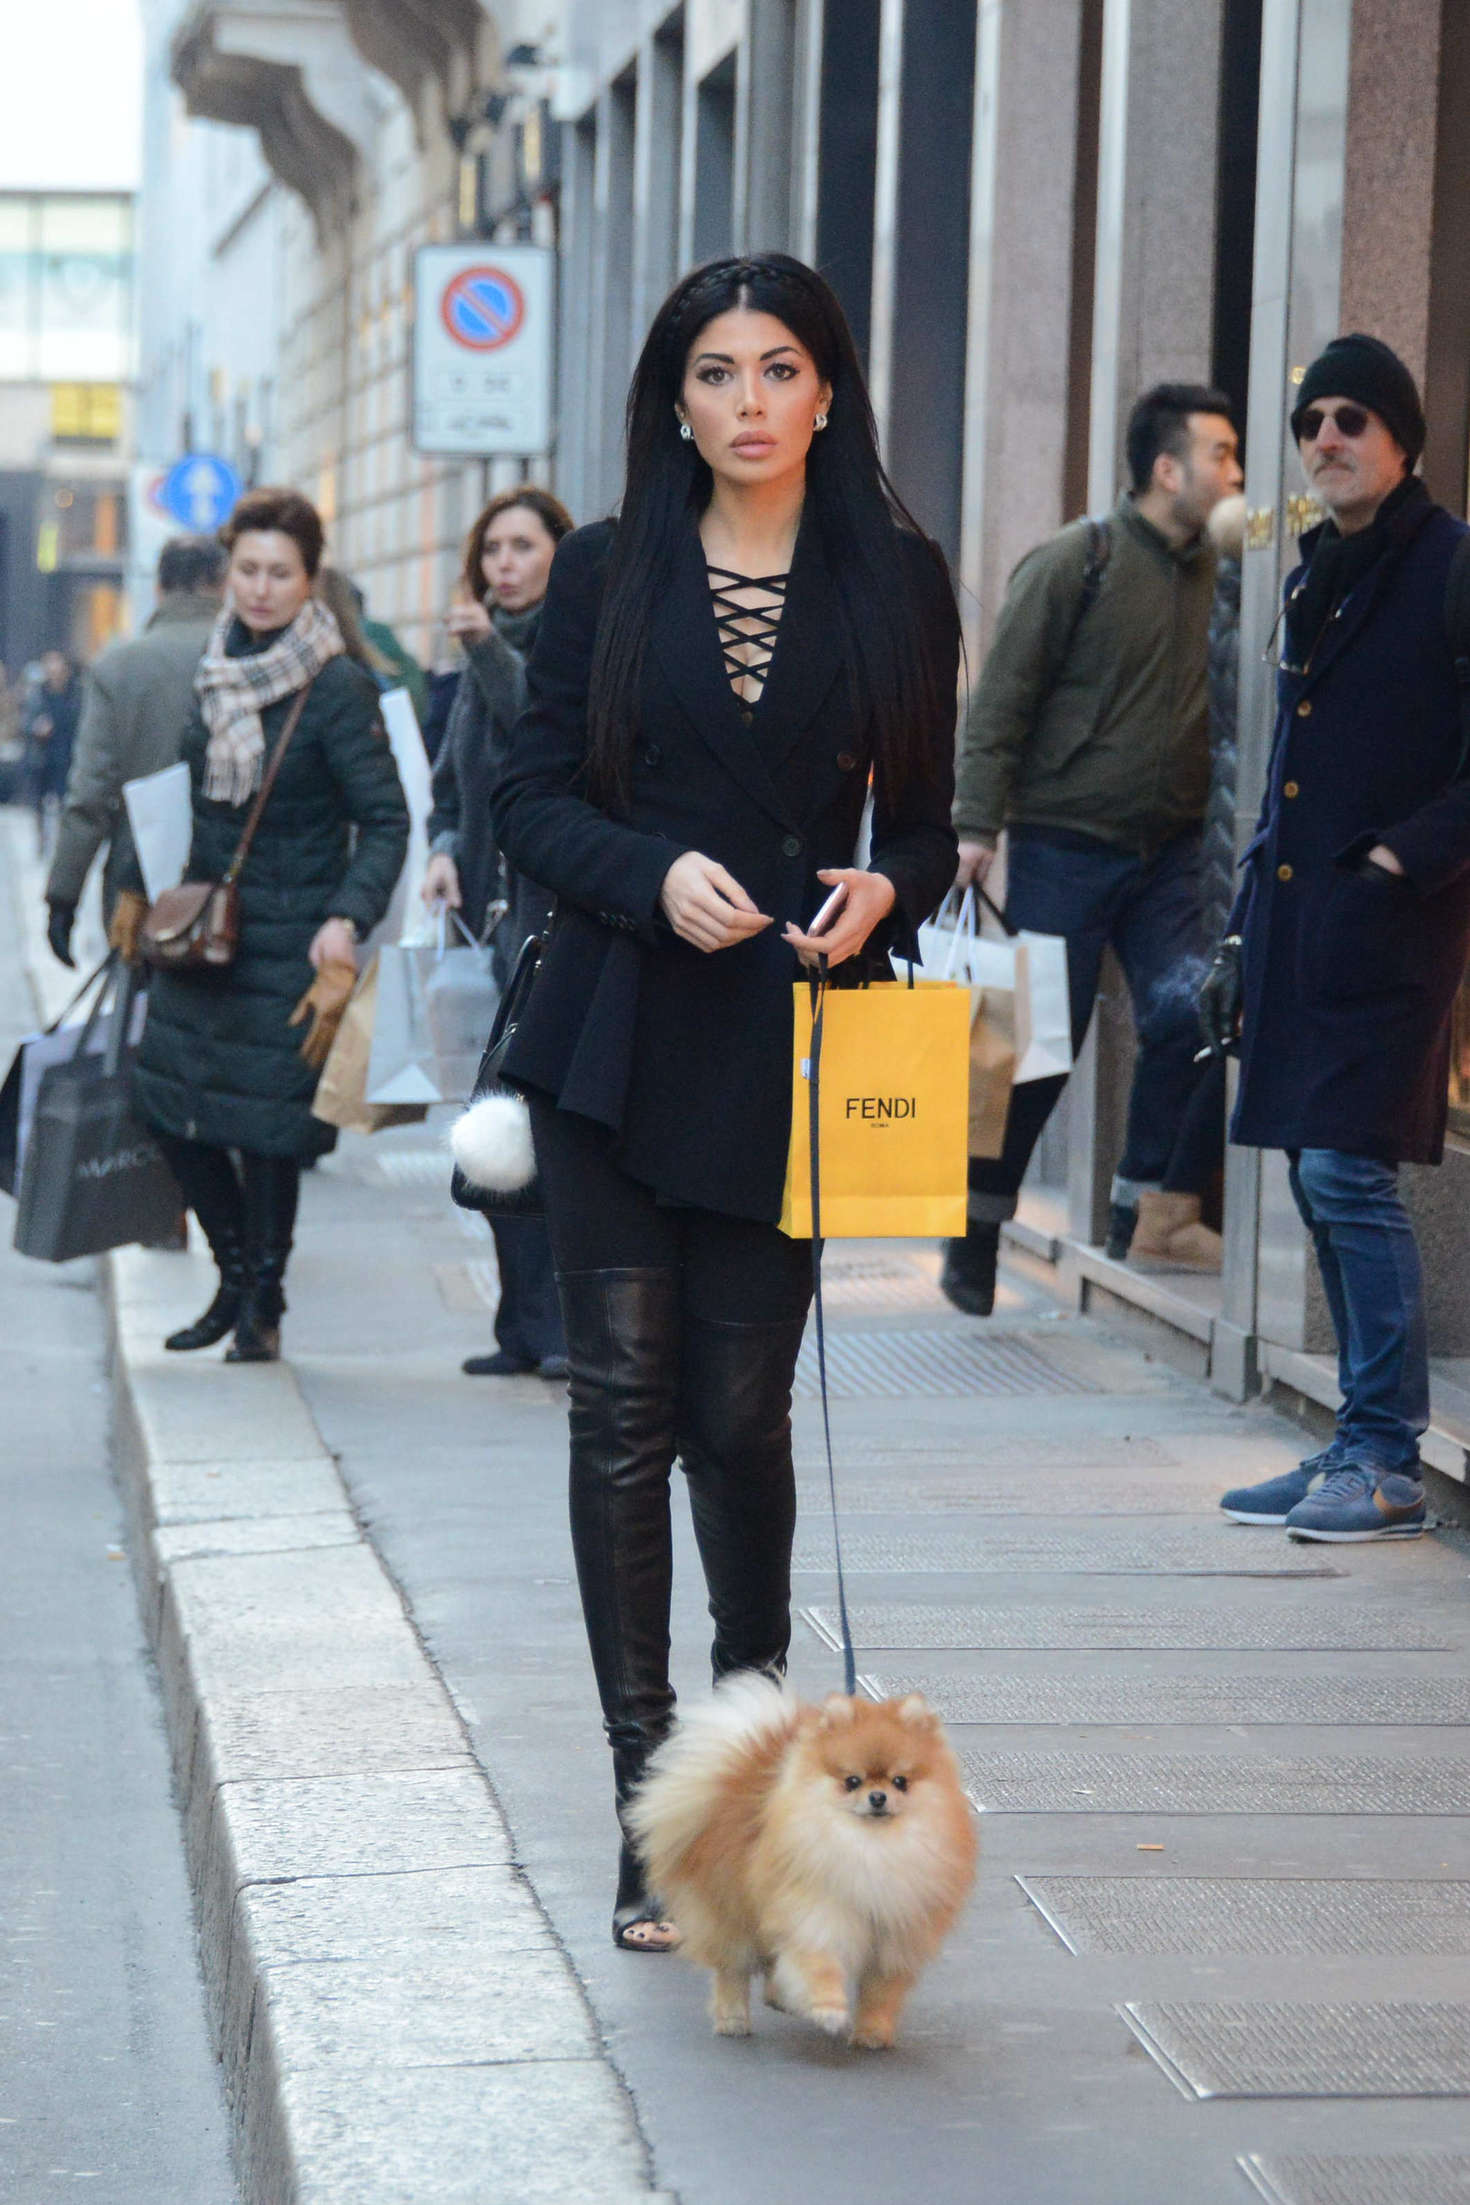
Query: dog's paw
[[835, 2020], [729, 2003], [873, 2036]]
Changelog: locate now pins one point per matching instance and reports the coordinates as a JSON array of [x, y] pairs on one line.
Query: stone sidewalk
[[1219, 1938], [1218, 1945]]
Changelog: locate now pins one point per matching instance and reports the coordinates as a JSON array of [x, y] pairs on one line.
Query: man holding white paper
[[135, 709]]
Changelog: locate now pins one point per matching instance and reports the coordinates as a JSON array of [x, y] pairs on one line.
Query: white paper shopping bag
[[1034, 966]]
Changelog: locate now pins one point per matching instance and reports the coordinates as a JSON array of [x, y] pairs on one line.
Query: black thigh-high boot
[[735, 1443], [272, 1187], [622, 1332], [211, 1187]]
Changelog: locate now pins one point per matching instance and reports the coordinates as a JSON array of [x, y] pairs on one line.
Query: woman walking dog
[[718, 673]]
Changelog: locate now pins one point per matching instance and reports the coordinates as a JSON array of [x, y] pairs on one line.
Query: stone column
[[1152, 301], [1022, 186]]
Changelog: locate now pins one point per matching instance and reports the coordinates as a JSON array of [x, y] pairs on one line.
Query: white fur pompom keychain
[[491, 1143]]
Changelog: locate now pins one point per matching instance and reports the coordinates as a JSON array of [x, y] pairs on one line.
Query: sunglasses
[[1350, 420]]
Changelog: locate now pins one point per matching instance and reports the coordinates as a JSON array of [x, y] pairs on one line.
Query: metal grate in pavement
[[892, 1365], [1252, 1914], [997, 1451], [1236, 2049], [1149, 1701], [1397, 2178], [1089, 1494], [1213, 1784], [1292, 1627], [875, 1282], [1208, 1550]]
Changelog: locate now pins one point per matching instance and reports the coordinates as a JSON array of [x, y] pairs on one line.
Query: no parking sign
[[482, 349]]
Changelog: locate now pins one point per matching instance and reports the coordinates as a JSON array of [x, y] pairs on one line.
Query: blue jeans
[[1148, 910], [1369, 1262]]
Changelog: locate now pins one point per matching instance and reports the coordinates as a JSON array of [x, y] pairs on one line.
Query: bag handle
[[995, 912], [129, 981], [818, 983], [72, 1001], [964, 930], [268, 782]]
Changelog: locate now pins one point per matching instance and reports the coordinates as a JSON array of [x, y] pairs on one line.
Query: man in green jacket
[[1088, 742], [134, 711]]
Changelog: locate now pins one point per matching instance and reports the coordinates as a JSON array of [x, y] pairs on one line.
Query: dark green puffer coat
[[218, 1062]]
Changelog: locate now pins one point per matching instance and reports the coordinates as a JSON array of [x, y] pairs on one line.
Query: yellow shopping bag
[[894, 1102]]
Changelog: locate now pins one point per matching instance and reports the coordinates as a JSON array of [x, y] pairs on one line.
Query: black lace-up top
[[747, 614]]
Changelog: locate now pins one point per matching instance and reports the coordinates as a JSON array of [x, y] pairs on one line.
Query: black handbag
[[522, 1201]]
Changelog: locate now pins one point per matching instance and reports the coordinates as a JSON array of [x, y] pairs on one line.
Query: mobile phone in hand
[[829, 910]]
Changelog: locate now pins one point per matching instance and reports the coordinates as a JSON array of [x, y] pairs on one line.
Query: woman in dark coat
[[717, 675], [223, 1066], [506, 562]]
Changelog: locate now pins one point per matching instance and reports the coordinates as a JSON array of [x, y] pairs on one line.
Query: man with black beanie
[[1346, 947]]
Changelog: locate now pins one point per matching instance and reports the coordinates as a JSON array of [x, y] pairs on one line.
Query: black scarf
[[1338, 564]]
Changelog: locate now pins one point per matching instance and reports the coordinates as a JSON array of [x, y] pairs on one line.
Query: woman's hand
[[707, 906], [468, 620], [441, 881], [333, 944], [870, 897]]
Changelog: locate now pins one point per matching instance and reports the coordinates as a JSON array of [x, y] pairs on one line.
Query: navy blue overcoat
[[1350, 979]]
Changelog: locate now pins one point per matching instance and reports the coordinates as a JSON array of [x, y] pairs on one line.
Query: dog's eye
[[851, 1783], [900, 1783]]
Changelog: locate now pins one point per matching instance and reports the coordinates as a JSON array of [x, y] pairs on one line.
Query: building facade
[[1031, 209], [66, 367]]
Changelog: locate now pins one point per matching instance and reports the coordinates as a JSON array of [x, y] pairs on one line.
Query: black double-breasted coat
[[686, 1056], [1349, 976]]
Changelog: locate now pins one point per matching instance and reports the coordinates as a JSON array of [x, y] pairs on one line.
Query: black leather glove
[[1220, 998], [61, 917]]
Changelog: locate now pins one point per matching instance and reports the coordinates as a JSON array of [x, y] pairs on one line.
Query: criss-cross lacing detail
[[748, 611]]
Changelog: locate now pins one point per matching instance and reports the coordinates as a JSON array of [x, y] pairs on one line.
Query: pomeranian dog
[[829, 1848]]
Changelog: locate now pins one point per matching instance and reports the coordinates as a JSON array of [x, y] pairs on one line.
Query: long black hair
[[848, 494]]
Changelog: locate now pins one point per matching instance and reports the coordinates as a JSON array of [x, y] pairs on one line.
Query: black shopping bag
[[27, 1068], [93, 1177]]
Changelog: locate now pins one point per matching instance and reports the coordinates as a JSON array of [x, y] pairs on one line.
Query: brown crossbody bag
[[198, 923]]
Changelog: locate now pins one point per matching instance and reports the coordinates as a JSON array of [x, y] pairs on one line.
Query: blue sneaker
[[1357, 1501], [1273, 1500]]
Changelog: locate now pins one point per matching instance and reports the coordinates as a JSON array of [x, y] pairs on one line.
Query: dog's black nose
[[878, 1801]]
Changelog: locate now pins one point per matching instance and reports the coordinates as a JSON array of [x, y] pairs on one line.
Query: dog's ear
[[836, 1708], [916, 1711]]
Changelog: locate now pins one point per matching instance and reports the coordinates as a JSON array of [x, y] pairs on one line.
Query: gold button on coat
[[1304, 709], [1283, 872], [1291, 789]]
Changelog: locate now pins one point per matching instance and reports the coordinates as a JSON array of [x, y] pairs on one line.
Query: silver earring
[[820, 422], [686, 432]]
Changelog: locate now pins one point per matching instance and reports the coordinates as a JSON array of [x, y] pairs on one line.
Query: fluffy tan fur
[[829, 1848]]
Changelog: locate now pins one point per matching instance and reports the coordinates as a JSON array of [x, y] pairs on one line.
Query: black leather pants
[[735, 1444], [622, 1331], [682, 1334]]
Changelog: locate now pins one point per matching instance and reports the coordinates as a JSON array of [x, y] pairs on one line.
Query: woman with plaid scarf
[[224, 1078]]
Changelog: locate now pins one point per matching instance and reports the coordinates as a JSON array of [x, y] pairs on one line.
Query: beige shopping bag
[[992, 1067], [341, 1095]]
